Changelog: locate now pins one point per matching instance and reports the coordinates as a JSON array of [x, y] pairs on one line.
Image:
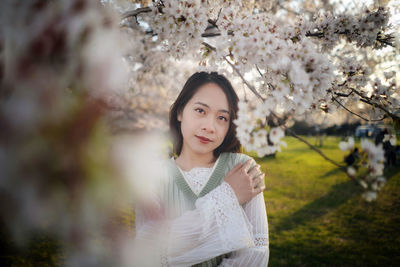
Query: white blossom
[[363, 184], [276, 134], [260, 138], [378, 183], [347, 145], [375, 152], [369, 196], [391, 138], [351, 171]]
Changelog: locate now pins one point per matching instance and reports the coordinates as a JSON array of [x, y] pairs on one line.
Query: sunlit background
[[85, 92]]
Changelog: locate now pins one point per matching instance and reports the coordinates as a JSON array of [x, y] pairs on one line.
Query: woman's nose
[[209, 125]]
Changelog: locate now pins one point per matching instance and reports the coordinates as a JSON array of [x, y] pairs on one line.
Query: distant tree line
[[345, 129]]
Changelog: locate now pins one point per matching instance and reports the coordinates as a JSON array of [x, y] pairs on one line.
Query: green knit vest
[[215, 180]]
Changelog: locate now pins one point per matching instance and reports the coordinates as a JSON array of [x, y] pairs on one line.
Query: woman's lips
[[203, 139]]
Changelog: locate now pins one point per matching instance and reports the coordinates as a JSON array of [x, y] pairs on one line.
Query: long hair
[[198, 79]]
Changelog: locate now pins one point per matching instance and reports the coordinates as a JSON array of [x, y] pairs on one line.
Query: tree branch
[[206, 35], [288, 10], [385, 39], [344, 95], [244, 80], [259, 71], [209, 46], [343, 106], [315, 34], [292, 133], [382, 38], [135, 12], [368, 101], [342, 168]]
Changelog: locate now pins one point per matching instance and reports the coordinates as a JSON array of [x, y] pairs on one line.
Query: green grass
[[317, 216]]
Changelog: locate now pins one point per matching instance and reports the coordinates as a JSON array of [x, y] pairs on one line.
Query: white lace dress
[[218, 225]]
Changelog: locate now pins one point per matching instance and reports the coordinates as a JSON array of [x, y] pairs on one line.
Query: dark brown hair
[[198, 79]]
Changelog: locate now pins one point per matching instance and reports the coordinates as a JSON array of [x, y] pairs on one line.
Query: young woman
[[212, 206]]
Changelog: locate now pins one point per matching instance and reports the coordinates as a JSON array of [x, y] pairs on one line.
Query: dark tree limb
[[376, 105], [134, 13], [361, 117]]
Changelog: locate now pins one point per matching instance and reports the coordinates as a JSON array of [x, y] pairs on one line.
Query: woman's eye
[[199, 110], [222, 118]]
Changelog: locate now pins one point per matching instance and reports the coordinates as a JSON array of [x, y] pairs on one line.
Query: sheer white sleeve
[[216, 226], [258, 255]]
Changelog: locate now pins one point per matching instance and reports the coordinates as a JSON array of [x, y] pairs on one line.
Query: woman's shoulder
[[235, 158]]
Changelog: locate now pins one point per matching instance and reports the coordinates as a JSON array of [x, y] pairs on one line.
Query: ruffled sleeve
[[255, 211], [218, 225], [259, 254]]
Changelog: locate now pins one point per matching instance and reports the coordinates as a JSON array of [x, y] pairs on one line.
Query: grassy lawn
[[317, 216]]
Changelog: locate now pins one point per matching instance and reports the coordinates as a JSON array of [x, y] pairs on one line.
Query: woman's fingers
[[255, 171], [247, 165], [259, 190], [258, 180], [245, 180], [237, 167]]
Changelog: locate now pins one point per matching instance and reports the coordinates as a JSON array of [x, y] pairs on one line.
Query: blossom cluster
[[385, 93], [368, 29], [354, 71], [59, 59], [254, 134], [179, 24], [292, 69], [367, 167], [365, 28], [308, 66], [294, 76]]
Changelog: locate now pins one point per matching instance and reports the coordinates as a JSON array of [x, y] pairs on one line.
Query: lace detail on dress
[[261, 240], [164, 260], [197, 178], [230, 218]]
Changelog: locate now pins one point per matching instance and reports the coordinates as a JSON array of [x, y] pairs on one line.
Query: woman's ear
[[179, 117]]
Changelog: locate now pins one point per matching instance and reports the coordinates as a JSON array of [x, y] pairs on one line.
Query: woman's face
[[205, 120]]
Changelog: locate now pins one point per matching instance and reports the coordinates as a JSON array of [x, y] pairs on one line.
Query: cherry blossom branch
[[386, 39], [374, 104], [361, 117], [369, 102], [206, 35], [288, 10], [244, 80], [291, 132], [263, 76], [344, 95], [213, 23], [134, 13]]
